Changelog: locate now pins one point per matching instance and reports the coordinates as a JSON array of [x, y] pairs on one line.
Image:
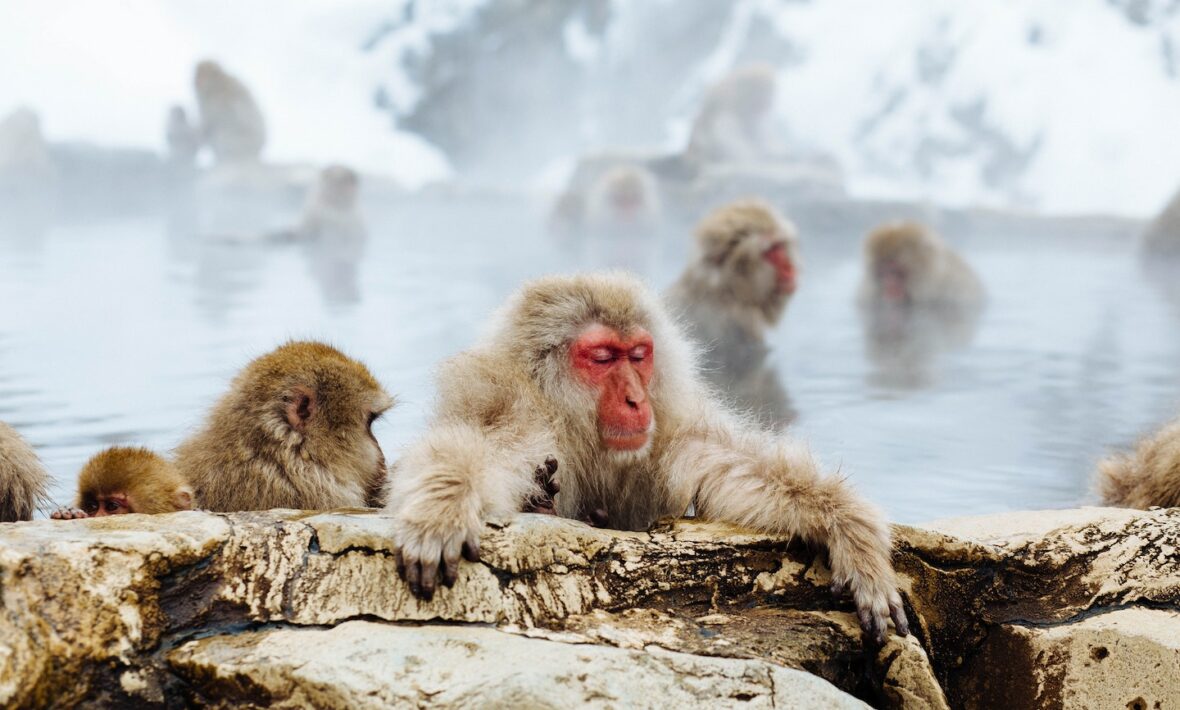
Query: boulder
[[293, 608]]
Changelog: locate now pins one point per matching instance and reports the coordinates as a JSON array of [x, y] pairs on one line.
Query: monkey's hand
[[68, 514], [427, 546], [543, 503], [877, 601]]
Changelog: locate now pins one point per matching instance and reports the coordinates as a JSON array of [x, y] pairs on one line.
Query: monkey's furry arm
[[773, 485]]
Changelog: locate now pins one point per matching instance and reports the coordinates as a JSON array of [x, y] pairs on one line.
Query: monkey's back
[[1148, 477], [23, 480]]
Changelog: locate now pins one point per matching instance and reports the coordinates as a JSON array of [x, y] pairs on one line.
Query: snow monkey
[[737, 286], [907, 264], [731, 126], [592, 370], [294, 431], [1149, 477], [744, 272], [126, 479], [624, 197], [23, 480], [231, 122], [183, 138]]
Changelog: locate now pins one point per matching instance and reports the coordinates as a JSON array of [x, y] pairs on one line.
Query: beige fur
[[937, 275], [249, 456], [508, 403], [728, 295], [1148, 477], [231, 122], [23, 480], [620, 184]]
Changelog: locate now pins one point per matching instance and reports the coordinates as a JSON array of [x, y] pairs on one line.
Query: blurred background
[[142, 263]]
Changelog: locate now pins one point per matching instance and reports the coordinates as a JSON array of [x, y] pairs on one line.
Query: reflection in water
[[750, 383], [905, 341], [122, 330]]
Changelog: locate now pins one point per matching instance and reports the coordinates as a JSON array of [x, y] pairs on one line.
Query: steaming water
[[123, 331]]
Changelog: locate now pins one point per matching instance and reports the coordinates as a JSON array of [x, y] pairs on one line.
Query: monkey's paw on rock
[[290, 608]]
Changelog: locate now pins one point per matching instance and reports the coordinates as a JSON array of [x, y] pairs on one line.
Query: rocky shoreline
[[1077, 608]]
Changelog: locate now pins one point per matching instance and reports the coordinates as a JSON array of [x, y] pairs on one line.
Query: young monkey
[[125, 480]]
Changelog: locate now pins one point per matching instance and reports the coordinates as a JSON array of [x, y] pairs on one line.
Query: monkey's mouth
[[619, 439]]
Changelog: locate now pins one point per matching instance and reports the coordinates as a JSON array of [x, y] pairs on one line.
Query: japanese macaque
[[184, 139], [744, 272], [1162, 236], [126, 479], [23, 480], [591, 370], [294, 431], [918, 299], [330, 212], [732, 125], [1148, 477], [25, 162], [624, 199], [907, 264], [231, 122]]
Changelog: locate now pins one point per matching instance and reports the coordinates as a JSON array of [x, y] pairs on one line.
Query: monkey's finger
[[598, 517], [551, 465], [429, 577], [840, 588], [413, 577], [899, 618], [401, 564], [450, 566], [471, 549]]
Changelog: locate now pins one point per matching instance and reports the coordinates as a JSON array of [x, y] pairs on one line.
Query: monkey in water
[[732, 125], [295, 430], [184, 139], [126, 479], [1148, 477], [736, 288], [23, 480], [624, 198], [231, 122], [1162, 236], [917, 299], [592, 369]]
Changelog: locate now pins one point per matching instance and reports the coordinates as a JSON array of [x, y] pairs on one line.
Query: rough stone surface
[[362, 664], [191, 608]]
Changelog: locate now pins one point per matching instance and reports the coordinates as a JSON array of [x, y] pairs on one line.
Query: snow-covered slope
[[1057, 105]]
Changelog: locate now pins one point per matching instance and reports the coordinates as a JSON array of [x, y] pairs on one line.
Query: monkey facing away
[[744, 272], [732, 124], [294, 431], [231, 122], [591, 369], [126, 479], [23, 480], [1148, 477], [333, 234]]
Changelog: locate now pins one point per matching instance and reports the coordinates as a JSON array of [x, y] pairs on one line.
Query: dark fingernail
[[551, 464], [471, 551], [451, 575]]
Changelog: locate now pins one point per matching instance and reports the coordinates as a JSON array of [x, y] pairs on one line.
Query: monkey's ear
[[183, 498], [301, 406]]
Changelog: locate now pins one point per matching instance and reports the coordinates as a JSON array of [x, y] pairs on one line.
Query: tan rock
[[1129, 658], [362, 664]]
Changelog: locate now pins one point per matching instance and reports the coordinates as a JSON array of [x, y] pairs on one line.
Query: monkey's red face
[[893, 281], [784, 268], [618, 367]]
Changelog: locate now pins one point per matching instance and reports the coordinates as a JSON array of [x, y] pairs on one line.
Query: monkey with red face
[[592, 369]]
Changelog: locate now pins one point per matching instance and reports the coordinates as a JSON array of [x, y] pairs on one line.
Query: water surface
[[124, 330]]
